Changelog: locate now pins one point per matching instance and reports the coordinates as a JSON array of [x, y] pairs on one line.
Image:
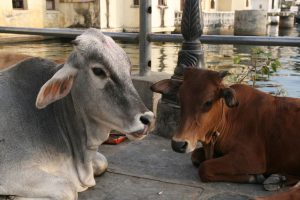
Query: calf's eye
[[208, 104], [99, 72]]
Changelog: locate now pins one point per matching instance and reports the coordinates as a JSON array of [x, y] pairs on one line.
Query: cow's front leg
[[232, 168], [99, 164]]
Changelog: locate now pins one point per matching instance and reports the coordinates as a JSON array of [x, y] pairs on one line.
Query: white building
[[268, 5]]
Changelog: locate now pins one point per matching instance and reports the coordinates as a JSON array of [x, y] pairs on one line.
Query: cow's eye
[[99, 72]]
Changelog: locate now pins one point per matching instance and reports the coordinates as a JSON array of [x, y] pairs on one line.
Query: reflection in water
[[218, 57]]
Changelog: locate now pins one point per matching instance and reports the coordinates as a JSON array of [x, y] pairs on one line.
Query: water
[[286, 81]]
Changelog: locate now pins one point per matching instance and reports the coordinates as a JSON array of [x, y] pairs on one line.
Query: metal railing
[[154, 37], [145, 37]]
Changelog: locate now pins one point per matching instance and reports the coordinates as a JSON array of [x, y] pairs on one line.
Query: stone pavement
[[150, 170]]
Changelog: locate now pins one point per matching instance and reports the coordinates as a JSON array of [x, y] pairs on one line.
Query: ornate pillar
[[190, 55]]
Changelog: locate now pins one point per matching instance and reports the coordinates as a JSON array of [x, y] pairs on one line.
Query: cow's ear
[[57, 87], [166, 86], [229, 96]]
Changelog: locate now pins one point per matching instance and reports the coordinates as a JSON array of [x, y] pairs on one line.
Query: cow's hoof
[[274, 182], [99, 164]]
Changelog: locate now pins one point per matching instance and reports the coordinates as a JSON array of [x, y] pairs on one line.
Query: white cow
[[53, 119]]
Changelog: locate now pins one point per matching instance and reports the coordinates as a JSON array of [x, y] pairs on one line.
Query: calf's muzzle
[[180, 146]]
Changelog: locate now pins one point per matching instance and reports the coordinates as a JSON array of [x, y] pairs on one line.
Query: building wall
[[240, 5], [79, 14], [265, 5], [163, 17], [207, 5], [31, 16], [224, 5], [131, 16]]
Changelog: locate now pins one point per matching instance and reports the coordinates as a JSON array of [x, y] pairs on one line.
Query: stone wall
[[30, 16], [218, 22]]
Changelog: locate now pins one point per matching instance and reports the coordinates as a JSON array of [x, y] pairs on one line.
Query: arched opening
[[212, 4]]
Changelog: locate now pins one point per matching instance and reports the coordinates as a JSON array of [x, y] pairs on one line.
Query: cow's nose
[[147, 118], [179, 147]]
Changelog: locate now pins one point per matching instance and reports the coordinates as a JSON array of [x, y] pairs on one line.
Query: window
[[50, 4], [18, 4], [136, 2], [212, 4], [162, 2], [247, 3], [273, 4]]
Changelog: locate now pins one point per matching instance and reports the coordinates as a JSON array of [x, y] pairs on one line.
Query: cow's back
[[27, 135], [271, 126], [284, 136], [9, 59]]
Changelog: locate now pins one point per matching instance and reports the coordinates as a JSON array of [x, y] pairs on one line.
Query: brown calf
[[246, 134], [9, 59]]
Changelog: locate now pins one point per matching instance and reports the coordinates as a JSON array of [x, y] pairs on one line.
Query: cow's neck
[[83, 137]]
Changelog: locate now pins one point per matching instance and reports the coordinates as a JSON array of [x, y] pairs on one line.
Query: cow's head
[[203, 98], [97, 73]]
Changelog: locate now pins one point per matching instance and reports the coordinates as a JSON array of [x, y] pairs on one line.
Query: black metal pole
[[191, 53], [144, 43]]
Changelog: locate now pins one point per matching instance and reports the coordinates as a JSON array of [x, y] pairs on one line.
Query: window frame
[[162, 3], [53, 5], [24, 4], [136, 2]]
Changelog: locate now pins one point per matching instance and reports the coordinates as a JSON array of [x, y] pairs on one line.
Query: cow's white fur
[[52, 153]]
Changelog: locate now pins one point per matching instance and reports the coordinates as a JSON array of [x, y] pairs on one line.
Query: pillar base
[[167, 119], [143, 84]]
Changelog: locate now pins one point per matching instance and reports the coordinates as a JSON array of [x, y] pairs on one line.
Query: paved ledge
[[150, 170]]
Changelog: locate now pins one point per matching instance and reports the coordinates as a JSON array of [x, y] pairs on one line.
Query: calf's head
[[97, 74], [203, 98]]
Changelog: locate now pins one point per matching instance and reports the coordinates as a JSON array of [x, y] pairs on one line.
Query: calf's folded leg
[[231, 168], [198, 156]]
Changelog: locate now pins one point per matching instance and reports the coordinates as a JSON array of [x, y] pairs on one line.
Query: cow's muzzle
[[141, 133], [146, 119], [180, 146]]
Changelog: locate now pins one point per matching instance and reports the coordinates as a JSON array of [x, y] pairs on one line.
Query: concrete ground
[[150, 170]]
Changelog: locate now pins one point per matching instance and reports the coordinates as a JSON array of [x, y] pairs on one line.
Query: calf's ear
[[166, 86], [229, 96], [57, 87]]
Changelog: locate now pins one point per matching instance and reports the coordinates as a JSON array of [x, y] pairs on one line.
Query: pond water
[[286, 81]]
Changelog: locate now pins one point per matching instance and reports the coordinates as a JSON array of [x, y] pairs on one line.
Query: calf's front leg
[[231, 168], [198, 156]]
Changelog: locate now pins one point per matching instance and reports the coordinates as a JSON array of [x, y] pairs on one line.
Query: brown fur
[[9, 59], [259, 134]]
